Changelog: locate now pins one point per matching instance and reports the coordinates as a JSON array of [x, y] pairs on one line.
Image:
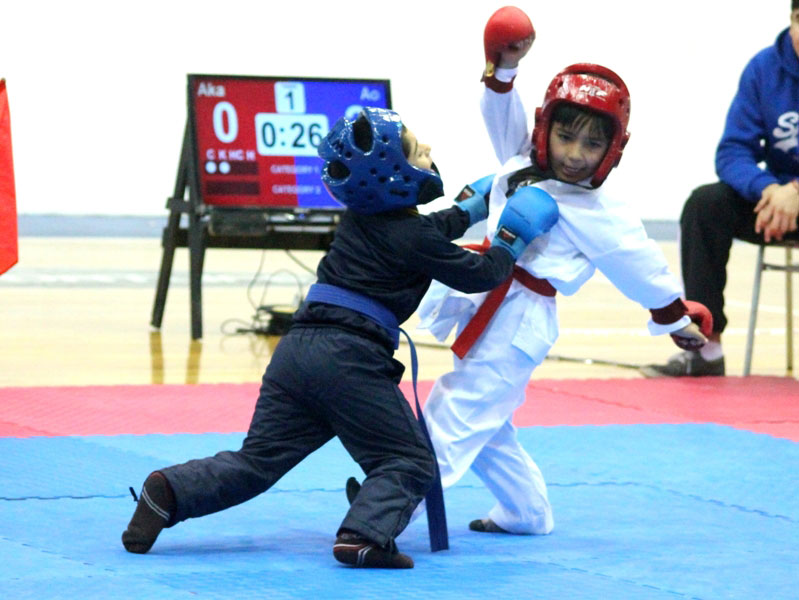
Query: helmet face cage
[[378, 178], [597, 89]]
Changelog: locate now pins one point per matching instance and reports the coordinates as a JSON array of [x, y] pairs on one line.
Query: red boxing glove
[[700, 315], [506, 26]]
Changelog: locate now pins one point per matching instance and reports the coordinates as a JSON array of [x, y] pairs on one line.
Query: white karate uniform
[[469, 410]]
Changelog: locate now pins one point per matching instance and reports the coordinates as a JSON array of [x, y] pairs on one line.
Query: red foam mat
[[760, 404]]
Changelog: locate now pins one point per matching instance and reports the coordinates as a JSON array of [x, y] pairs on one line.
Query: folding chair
[[788, 268]]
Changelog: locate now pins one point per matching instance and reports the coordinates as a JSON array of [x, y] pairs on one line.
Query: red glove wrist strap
[[494, 84]]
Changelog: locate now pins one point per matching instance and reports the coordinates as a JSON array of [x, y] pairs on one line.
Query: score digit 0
[[222, 110]]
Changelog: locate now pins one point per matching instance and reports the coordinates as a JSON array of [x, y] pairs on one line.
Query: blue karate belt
[[373, 310]]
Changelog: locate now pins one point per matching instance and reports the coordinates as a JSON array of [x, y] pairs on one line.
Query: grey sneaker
[[685, 364]]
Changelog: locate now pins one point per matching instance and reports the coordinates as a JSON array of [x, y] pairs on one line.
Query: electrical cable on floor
[[268, 319], [300, 263]]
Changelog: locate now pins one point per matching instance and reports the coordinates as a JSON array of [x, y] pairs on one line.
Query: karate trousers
[[322, 382], [470, 409]]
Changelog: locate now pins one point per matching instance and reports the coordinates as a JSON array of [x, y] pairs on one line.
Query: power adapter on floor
[[274, 319]]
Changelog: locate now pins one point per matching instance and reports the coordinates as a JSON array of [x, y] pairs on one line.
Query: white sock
[[711, 351]]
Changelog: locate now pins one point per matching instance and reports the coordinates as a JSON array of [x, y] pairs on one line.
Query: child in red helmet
[[579, 134]]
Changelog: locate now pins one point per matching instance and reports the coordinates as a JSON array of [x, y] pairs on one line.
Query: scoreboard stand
[[226, 174]]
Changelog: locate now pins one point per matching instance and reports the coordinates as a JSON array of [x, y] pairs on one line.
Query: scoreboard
[[254, 139]]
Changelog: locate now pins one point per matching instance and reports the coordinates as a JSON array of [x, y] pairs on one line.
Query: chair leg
[[750, 335], [788, 311]]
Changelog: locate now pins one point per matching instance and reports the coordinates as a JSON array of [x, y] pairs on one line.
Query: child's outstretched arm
[[528, 214]]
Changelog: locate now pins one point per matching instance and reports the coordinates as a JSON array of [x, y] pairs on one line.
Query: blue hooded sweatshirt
[[763, 123]]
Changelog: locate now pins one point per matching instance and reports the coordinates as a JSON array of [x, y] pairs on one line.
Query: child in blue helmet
[[333, 373]]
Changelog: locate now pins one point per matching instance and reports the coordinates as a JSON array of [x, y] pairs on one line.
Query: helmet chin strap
[[431, 189]]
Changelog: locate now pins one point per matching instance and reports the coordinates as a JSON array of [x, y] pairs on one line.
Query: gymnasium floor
[[661, 489]]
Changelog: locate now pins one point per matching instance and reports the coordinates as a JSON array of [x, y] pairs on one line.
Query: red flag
[[8, 199]]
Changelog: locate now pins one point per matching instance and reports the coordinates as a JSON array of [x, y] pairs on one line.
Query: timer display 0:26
[[289, 134]]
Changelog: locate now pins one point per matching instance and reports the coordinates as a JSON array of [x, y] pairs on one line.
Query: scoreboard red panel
[[255, 138]]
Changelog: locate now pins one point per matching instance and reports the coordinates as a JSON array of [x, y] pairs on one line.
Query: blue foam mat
[[667, 511]]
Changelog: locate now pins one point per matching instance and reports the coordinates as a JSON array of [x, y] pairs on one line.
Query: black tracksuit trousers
[[712, 217], [322, 382]]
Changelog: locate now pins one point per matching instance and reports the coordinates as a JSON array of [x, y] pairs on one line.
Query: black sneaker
[[685, 364], [486, 526], [351, 549], [155, 507]]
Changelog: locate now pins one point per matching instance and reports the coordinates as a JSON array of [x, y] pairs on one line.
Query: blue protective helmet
[[373, 175]]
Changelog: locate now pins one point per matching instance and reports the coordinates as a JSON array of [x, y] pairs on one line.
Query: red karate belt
[[474, 329]]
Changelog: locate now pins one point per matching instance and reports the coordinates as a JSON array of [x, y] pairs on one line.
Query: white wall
[[97, 89]]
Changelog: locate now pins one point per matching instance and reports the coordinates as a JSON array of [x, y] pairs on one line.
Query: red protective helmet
[[596, 88]]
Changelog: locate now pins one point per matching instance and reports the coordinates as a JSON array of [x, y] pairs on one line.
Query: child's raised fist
[[508, 36]]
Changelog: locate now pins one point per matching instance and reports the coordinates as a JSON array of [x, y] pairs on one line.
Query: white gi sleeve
[[617, 244], [505, 119]]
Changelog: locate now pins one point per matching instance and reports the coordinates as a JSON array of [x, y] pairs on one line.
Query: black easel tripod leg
[[196, 258], [169, 244]]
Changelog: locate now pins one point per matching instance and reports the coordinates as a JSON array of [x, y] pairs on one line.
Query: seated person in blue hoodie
[[751, 202]]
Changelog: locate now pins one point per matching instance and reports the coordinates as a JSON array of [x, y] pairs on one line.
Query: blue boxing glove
[[474, 199], [528, 213]]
